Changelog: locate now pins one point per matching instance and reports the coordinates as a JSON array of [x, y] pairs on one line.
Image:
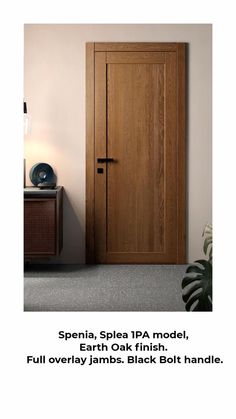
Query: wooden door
[[135, 153]]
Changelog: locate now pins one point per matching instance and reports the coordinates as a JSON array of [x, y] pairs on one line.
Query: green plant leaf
[[197, 286], [194, 268], [207, 230], [210, 255], [207, 243]]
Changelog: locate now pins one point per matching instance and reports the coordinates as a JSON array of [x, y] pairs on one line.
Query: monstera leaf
[[197, 286], [207, 247]]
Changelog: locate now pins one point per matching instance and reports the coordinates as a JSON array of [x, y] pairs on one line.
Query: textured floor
[[104, 288]]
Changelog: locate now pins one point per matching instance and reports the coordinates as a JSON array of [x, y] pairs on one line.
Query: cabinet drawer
[[40, 226]]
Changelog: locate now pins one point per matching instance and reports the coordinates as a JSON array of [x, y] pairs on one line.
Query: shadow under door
[[135, 186]]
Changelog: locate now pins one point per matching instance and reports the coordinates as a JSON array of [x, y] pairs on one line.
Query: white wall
[[54, 88]]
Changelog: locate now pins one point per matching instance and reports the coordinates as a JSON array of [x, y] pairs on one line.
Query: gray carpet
[[104, 288]]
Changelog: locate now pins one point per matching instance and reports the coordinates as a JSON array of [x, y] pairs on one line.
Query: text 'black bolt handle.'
[[105, 160]]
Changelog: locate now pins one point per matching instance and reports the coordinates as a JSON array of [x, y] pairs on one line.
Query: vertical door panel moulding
[[181, 175], [100, 152]]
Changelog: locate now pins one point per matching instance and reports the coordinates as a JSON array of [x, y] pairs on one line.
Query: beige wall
[[54, 88]]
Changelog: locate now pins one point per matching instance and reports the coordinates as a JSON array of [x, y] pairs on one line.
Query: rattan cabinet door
[[40, 226]]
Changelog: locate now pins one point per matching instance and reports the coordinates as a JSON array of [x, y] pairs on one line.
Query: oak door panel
[[135, 57], [138, 201], [137, 46], [135, 183], [100, 151]]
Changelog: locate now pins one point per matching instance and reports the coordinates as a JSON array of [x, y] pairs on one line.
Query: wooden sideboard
[[43, 222]]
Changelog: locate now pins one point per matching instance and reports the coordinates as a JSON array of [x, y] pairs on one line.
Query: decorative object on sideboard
[[42, 175]]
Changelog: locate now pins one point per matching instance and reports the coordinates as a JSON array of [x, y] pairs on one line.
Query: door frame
[[91, 49]]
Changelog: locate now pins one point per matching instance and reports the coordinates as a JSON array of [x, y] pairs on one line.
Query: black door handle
[[105, 160]]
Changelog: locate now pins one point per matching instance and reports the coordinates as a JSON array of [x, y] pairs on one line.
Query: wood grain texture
[[181, 160], [139, 120], [135, 57], [90, 153], [135, 183], [100, 151], [171, 228], [135, 46]]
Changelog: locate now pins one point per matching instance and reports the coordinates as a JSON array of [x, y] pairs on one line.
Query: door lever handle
[[105, 160]]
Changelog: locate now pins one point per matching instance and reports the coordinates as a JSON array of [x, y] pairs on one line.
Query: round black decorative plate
[[41, 172]]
